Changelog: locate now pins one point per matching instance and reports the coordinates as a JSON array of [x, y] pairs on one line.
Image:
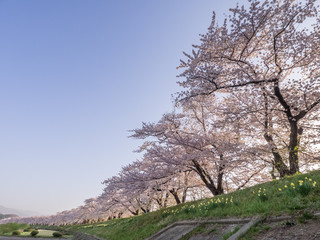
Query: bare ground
[[292, 230]]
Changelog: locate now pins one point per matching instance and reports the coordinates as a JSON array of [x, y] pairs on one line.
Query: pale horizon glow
[[75, 77]]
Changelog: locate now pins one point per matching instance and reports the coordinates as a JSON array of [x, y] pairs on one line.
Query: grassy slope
[[274, 199], [10, 227]]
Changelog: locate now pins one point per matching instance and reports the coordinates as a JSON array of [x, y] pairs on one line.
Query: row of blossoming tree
[[248, 112]]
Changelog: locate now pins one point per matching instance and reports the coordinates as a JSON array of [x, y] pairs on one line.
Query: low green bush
[[34, 233], [57, 234], [16, 233]]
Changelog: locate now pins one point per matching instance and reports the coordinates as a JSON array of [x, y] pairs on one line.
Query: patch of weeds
[[229, 234], [305, 216], [296, 204], [266, 228], [308, 215]]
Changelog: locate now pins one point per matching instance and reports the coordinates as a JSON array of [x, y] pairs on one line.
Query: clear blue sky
[[75, 76]]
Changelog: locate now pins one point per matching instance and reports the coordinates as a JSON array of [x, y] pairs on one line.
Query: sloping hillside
[[294, 195]]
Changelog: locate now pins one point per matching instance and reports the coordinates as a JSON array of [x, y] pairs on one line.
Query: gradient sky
[[75, 76]]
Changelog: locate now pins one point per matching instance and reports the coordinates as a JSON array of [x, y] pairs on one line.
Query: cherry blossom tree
[[270, 49], [198, 139]]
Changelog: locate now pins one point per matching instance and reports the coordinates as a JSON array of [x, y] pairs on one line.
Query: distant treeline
[[3, 216]]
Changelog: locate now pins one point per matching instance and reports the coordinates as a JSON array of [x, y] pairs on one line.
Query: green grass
[[285, 196], [7, 229], [42, 233], [24, 230], [271, 198]]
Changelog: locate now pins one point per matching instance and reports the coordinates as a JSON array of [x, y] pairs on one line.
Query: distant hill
[[3, 216], [19, 212]]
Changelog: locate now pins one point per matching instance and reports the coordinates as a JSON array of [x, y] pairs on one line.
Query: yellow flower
[[285, 186], [280, 189], [310, 180], [314, 184], [292, 184]]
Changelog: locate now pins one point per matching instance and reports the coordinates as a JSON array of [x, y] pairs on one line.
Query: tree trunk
[[278, 162], [175, 195], [220, 176], [207, 180], [294, 143], [268, 127]]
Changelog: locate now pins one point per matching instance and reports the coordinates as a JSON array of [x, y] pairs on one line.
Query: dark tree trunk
[[294, 131], [207, 180], [295, 134], [220, 176], [278, 162], [175, 195], [159, 201]]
